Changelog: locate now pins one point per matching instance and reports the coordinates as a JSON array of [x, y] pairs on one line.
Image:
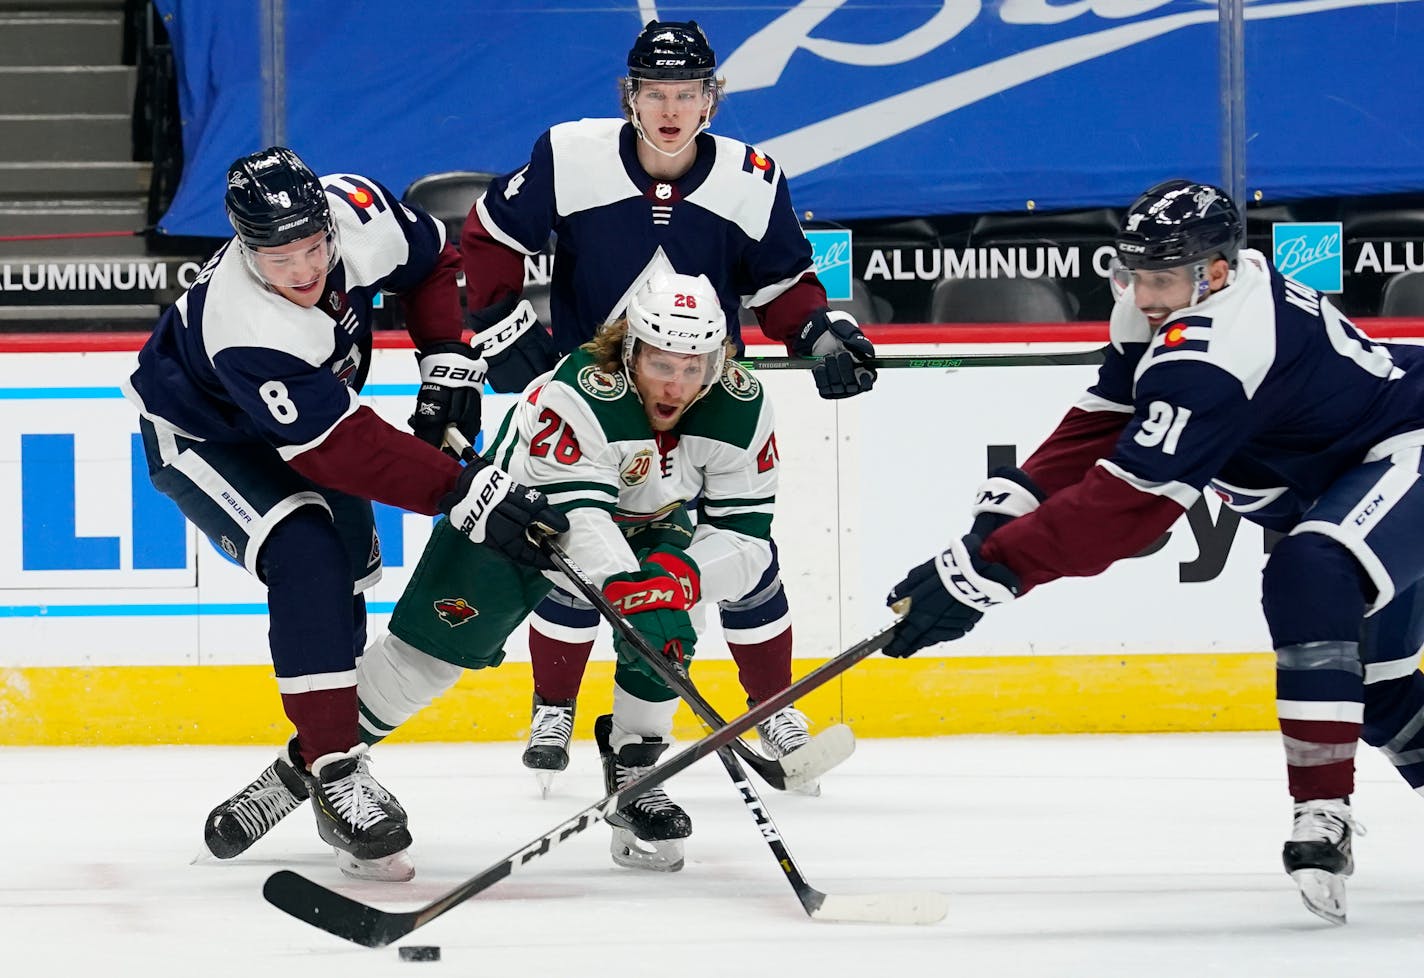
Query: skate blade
[[545, 780], [395, 868], [1323, 893], [805, 765], [632, 852]]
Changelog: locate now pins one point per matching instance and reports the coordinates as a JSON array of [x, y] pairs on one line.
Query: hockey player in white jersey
[[621, 435], [1223, 374], [621, 195], [251, 423]]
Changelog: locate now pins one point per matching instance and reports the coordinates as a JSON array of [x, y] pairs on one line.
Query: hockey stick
[[938, 362], [883, 908], [825, 750], [360, 923]]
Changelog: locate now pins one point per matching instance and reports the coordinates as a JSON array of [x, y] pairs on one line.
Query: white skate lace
[[553, 726], [784, 731], [1324, 821], [655, 800], [358, 796], [263, 804]]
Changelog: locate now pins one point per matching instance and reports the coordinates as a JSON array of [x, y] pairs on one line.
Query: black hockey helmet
[[671, 50], [1179, 222], [273, 198]]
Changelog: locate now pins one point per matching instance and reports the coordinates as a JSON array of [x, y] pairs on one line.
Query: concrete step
[[73, 180], [65, 248], [54, 6], [24, 218], [90, 318], [65, 137], [70, 37], [54, 90]]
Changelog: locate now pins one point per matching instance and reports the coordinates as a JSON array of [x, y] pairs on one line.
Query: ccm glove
[[1006, 495], [948, 595], [846, 355], [452, 378], [514, 343], [491, 508], [655, 599]]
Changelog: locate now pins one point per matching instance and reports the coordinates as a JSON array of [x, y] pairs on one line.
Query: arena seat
[[449, 197], [1000, 300], [1403, 295]]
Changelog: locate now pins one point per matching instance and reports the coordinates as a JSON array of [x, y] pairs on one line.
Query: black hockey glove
[[513, 342], [451, 382], [948, 595], [846, 355], [491, 508], [1006, 495]]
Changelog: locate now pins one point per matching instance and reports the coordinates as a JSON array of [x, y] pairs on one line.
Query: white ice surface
[[1062, 856]]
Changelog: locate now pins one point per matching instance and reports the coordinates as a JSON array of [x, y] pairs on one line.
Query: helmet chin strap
[[638, 128]]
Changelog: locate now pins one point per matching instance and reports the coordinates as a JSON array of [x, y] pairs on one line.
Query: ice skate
[[359, 818], [247, 816], [550, 730], [648, 831], [783, 732], [1318, 856]]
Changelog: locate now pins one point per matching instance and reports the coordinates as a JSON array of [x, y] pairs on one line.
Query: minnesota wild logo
[[601, 384], [455, 611], [739, 382]]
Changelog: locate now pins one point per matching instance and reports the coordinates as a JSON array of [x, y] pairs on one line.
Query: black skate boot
[[247, 816], [780, 734], [359, 818], [550, 730], [648, 831], [1318, 856]]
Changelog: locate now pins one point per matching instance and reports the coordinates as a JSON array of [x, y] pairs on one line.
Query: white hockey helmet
[[680, 314]]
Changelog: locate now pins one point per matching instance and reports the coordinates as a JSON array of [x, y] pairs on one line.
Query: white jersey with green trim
[[581, 435]]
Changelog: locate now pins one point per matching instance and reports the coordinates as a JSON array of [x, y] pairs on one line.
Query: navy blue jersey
[[232, 361], [1264, 390], [729, 218]]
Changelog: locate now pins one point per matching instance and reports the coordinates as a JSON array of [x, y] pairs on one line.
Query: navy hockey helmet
[[1179, 222], [273, 198], [671, 50]]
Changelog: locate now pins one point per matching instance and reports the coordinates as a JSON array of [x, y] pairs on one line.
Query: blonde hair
[[606, 347]]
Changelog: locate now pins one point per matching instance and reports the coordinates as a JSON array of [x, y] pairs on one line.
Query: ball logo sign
[[831, 254], [1311, 254]]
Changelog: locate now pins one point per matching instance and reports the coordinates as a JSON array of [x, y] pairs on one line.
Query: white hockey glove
[[513, 342], [452, 379], [846, 355], [491, 508], [1006, 495], [948, 595]]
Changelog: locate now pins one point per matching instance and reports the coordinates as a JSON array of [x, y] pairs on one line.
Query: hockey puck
[[420, 952]]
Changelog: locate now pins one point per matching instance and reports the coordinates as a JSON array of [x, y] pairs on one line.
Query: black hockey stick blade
[[360, 923], [802, 766], [941, 361]]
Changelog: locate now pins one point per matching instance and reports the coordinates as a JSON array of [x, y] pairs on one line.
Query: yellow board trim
[[918, 697]]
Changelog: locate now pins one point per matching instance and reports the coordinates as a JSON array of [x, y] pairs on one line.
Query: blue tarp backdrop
[[875, 108]]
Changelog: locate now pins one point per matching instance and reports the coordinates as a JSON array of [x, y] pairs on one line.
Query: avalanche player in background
[[624, 195], [251, 424], [1223, 373]]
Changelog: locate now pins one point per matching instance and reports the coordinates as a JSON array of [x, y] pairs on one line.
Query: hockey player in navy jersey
[[622, 196], [1223, 374], [251, 423]]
